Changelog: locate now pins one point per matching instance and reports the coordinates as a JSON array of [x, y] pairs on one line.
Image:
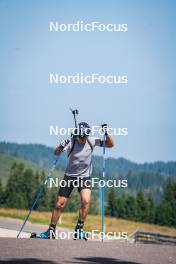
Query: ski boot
[[49, 234], [80, 234]]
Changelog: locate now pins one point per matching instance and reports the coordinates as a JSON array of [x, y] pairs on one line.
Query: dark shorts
[[68, 183]]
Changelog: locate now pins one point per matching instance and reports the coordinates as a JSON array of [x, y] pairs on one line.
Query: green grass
[[93, 222]]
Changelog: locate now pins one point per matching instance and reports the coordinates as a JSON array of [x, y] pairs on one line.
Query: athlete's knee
[[85, 202], [60, 204]]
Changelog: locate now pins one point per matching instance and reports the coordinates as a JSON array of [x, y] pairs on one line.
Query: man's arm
[[109, 142]]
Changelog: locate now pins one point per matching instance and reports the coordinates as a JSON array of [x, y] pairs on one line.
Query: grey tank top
[[80, 159]]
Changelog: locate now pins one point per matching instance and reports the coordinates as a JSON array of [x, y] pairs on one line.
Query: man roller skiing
[[79, 168]]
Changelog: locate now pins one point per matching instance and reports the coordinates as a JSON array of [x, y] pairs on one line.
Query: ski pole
[[63, 144], [102, 188], [74, 112]]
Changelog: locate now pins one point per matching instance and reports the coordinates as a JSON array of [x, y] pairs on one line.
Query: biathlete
[[79, 168]]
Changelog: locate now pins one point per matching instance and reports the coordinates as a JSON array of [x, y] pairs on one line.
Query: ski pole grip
[[64, 143], [104, 126]]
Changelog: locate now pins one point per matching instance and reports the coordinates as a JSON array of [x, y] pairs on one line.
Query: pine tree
[[168, 194], [163, 214], [29, 187], [43, 203], [120, 202], [111, 204], [142, 207], [173, 214], [1, 195], [15, 197], [151, 216], [166, 211], [130, 208]]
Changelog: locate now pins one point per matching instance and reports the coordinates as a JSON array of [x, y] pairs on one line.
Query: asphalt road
[[37, 251]]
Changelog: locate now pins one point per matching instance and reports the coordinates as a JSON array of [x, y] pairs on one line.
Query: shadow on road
[[100, 260], [26, 261], [86, 260]]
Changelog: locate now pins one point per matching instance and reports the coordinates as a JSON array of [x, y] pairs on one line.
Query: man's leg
[[85, 195], [50, 233], [64, 193], [61, 202]]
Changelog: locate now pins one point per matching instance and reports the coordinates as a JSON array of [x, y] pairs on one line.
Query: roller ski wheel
[[33, 235]]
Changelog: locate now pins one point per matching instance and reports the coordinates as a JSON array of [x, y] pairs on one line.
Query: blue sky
[[146, 53]]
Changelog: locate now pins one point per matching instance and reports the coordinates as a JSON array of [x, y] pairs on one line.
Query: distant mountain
[[43, 156], [123, 166], [6, 162], [38, 154], [151, 177]]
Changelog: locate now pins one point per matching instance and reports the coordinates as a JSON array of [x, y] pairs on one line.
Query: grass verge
[[93, 222]]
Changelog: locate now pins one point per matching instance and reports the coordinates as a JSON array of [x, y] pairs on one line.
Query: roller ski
[[49, 234]]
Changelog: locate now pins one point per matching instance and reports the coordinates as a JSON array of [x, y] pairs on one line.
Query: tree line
[[143, 208], [23, 185]]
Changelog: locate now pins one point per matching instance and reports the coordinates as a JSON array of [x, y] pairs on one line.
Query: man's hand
[[62, 147], [109, 141]]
